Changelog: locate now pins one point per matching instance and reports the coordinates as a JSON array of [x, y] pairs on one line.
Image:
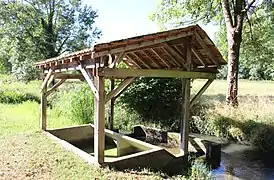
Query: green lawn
[[26, 153]]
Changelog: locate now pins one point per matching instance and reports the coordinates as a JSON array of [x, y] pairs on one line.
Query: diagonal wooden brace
[[119, 89], [89, 80], [199, 94]]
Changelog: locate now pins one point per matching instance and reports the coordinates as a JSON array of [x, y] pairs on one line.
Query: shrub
[[76, 103], [16, 96], [199, 170], [154, 99]]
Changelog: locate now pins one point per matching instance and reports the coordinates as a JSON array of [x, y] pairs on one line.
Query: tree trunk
[[234, 41], [234, 26]]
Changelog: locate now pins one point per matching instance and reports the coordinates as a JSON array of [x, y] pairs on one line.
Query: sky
[[120, 19]]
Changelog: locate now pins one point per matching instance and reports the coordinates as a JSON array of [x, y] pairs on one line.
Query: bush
[[251, 123], [76, 103], [154, 99], [16, 96], [199, 170]]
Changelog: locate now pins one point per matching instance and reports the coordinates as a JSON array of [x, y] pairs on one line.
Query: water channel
[[241, 162]]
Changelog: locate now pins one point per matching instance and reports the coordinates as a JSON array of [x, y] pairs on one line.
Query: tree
[[232, 13], [257, 50], [41, 29]]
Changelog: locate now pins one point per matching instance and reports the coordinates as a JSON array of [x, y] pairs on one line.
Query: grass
[[246, 87], [28, 154]]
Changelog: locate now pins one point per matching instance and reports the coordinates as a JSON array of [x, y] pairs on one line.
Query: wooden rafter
[[151, 59], [136, 64], [201, 91], [164, 61], [118, 89], [181, 53], [123, 72], [140, 60], [195, 52], [171, 57], [176, 55], [205, 47]]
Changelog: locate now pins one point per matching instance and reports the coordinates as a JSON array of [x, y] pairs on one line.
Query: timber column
[[43, 119], [185, 116], [99, 119]]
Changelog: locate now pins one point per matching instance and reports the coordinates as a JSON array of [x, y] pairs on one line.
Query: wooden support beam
[[123, 72], [199, 94], [89, 80], [51, 79], [140, 60], [114, 93], [171, 57], [43, 118], [132, 61], [164, 61], [184, 130], [195, 52], [111, 106], [68, 76], [117, 60], [152, 60], [178, 57], [206, 48], [55, 87], [45, 81], [99, 120]]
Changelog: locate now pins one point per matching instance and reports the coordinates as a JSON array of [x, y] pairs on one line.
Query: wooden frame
[[157, 55], [99, 120], [124, 73], [201, 91]]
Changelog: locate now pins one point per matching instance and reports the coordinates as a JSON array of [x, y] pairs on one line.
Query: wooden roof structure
[[163, 50], [186, 53]]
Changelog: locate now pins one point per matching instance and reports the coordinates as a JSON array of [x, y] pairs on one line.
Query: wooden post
[[186, 104], [111, 107], [185, 115], [99, 120], [43, 119]]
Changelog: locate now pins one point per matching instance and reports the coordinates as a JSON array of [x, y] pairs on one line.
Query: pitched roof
[[162, 50]]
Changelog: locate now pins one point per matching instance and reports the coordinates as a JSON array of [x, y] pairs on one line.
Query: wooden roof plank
[[206, 48], [195, 52], [164, 61], [139, 59], [177, 55], [172, 58], [151, 59], [136, 64]]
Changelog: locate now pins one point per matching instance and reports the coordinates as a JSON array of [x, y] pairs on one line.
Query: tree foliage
[[231, 13], [257, 52], [32, 30], [156, 100]]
